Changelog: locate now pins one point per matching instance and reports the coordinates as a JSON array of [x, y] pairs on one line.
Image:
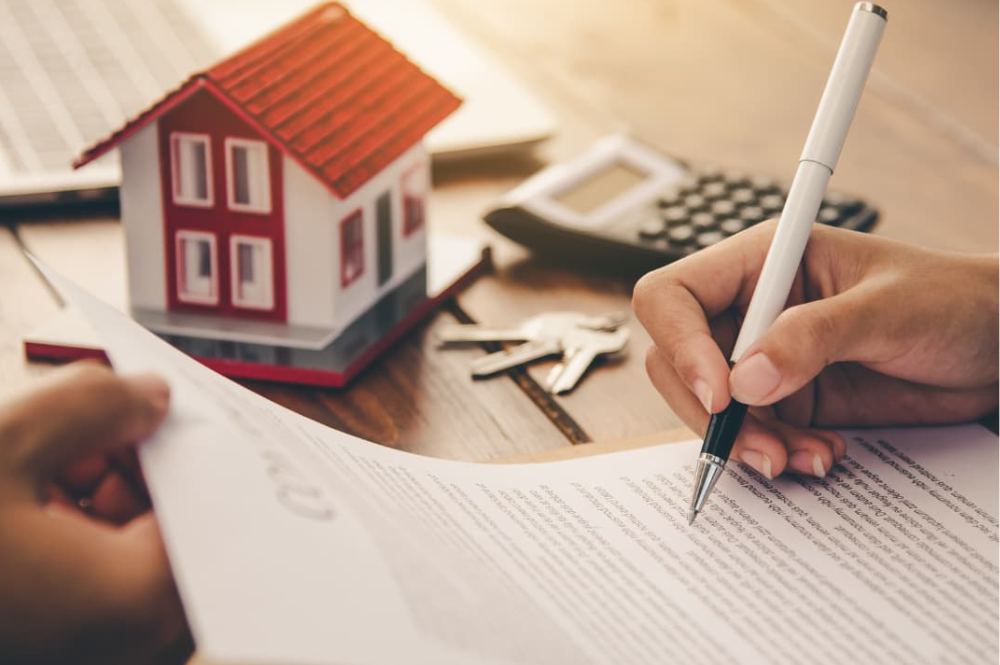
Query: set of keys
[[578, 338]]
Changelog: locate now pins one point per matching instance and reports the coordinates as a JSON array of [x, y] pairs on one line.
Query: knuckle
[[642, 291], [646, 291], [815, 328]]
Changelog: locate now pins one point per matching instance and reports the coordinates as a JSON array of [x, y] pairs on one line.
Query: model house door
[[383, 215]]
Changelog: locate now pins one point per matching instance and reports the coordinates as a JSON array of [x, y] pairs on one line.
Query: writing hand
[[876, 333]]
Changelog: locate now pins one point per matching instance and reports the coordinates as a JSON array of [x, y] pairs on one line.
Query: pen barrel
[[844, 87], [785, 254]]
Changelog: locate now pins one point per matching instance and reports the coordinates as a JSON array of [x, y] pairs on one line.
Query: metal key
[[545, 334], [581, 348], [550, 324], [521, 354]]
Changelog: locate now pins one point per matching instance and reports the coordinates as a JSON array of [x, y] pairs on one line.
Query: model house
[[281, 193]]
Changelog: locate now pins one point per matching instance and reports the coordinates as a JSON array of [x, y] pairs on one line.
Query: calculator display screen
[[600, 187]]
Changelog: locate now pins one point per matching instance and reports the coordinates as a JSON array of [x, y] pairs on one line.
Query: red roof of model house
[[326, 90]]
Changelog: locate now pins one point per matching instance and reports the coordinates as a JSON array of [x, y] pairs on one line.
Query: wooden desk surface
[[729, 83]]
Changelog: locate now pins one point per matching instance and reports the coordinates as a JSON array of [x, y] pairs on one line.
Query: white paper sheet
[[294, 543]]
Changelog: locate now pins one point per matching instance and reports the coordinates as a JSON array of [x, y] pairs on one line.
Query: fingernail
[[753, 379], [808, 463], [704, 393], [758, 461], [153, 388]]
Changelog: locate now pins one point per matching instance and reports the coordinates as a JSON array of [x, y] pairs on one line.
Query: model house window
[[247, 176], [252, 272], [352, 261], [191, 169], [197, 272], [414, 191]]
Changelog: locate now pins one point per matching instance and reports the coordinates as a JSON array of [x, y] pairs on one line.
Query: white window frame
[[180, 255], [265, 271], [252, 147], [179, 198]]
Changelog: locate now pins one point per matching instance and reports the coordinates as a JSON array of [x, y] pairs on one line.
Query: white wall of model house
[[312, 216], [141, 203]]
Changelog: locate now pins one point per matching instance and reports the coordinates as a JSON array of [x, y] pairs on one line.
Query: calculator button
[[764, 184], [742, 196], [682, 235], [694, 201], [675, 215], [702, 221], [714, 190], [848, 204], [651, 229], [723, 208], [752, 214], [772, 203], [709, 238], [669, 197], [828, 215], [732, 226]]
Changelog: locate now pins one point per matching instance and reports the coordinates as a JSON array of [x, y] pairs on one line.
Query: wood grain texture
[[417, 398]]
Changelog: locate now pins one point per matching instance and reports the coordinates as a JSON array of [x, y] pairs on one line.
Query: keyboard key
[[772, 203], [732, 226], [714, 190], [703, 221], [651, 229], [723, 208], [682, 235], [828, 215], [848, 204], [675, 215], [709, 238], [695, 201], [752, 214], [743, 196]]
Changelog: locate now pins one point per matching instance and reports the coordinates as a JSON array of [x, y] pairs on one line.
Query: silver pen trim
[[872, 8], [707, 472]]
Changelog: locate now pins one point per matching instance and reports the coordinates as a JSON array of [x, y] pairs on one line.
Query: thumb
[[79, 411], [801, 342]]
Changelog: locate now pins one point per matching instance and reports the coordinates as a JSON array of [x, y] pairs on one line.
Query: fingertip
[[760, 448], [152, 388]]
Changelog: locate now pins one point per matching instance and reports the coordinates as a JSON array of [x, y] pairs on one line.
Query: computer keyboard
[[72, 71]]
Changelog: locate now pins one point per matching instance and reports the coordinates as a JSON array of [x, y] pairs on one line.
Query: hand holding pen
[[873, 335], [756, 379]]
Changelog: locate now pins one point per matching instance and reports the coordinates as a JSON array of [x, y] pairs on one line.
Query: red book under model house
[[275, 200]]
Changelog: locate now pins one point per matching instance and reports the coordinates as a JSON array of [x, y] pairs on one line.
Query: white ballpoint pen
[[819, 157]]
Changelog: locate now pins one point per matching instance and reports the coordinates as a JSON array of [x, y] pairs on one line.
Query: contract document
[[295, 543]]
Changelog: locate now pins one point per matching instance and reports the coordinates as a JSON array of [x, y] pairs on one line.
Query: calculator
[[626, 206]]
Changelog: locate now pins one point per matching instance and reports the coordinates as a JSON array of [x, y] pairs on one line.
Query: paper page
[[295, 543]]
